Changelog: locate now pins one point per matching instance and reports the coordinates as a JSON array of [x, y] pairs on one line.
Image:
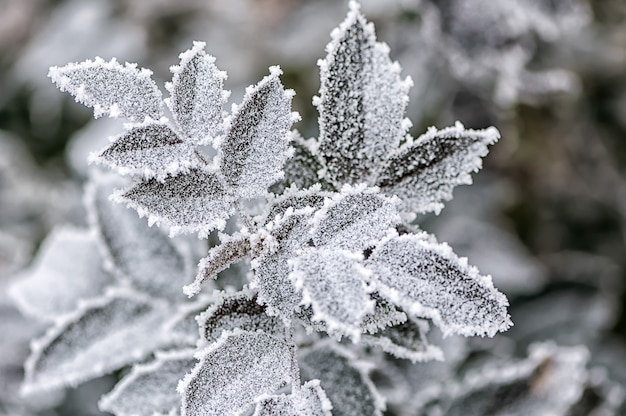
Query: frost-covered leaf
[[348, 387], [240, 310], [252, 154], [182, 328], [385, 314], [308, 400], [53, 286], [361, 103], [103, 335], [423, 172], [301, 170], [192, 202], [406, 340], [142, 255], [150, 389], [229, 251], [197, 95], [233, 371], [296, 199], [354, 219], [151, 150], [111, 88], [333, 283], [427, 279], [548, 382]]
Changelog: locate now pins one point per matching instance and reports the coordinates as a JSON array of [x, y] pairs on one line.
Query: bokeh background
[[546, 217]]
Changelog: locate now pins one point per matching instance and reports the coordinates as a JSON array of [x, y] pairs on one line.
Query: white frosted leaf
[[406, 340], [150, 389], [192, 202], [103, 335], [197, 95], [385, 315], [252, 154], [142, 255], [424, 172], [333, 283], [348, 387], [355, 219], [296, 199], [152, 150], [233, 371], [111, 88], [548, 382], [301, 170], [361, 103], [53, 286], [182, 328], [308, 400], [220, 257], [240, 310], [427, 279]]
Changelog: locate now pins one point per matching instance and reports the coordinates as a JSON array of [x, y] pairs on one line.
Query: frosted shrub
[[329, 270]]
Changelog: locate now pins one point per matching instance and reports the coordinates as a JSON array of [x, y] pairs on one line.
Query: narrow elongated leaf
[[237, 311], [406, 340], [333, 283], [104, 335], [150, 389], [308, 400], [301, 170], [53, 286], [428, 280], [233, 371], [141, 255], [296, 199], [424, 172], [197, 95], [252, 154], [361, 103], [152, 150], [355, 219], [348, 387], [229, 251], [193, 202], [110, 88]]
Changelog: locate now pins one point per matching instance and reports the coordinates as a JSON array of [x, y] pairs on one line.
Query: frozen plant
[[330, 253]]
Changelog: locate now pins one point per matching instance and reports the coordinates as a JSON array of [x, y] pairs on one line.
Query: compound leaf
[[308, 400], [424, 172], [348, 387], [53, 286], [233, 371], [103, 335], [111, 88], [354, 219], [252, 154], [150, 389], [151, 150], [427, 279], [192, 202], [361, 103], [197, 95]]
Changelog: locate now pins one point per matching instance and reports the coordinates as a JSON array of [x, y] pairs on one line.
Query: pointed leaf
[[229, 251], [424, 172], [355, 219], [197, 96], [111, 88], [301, 170], [252, 154], [308, 400], [150, 389], [193, 202], [151, 150], [428, 280], [348, 387], [239, 310], [296, 199], [141, 255], [361, 103], [333, 282], [233, 371], [104, 335], [53, 286]]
